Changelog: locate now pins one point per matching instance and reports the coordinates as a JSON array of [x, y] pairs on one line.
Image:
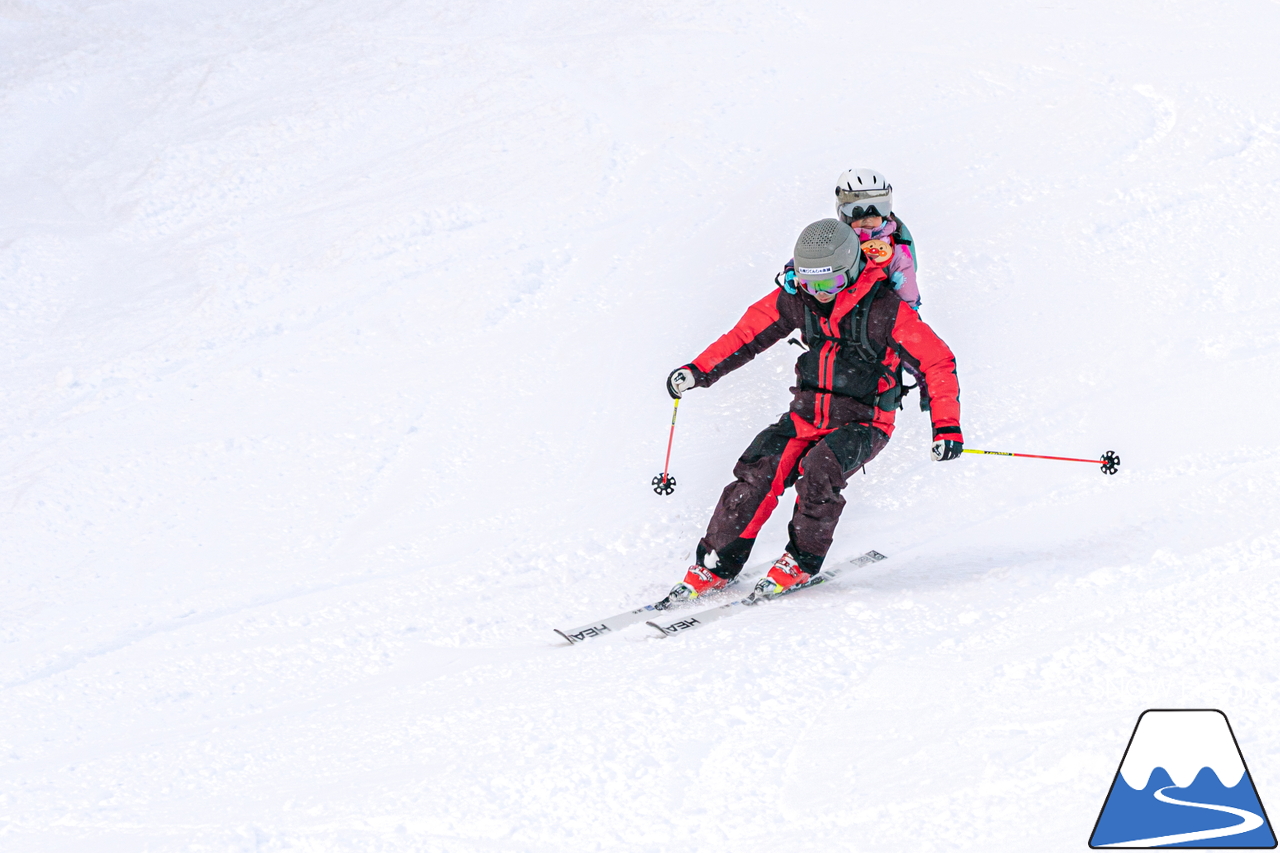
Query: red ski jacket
[[850, 373]]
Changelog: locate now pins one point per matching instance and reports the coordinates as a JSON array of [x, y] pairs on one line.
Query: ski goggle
[[861, 196], [854, 212], [832, 284], [858, 204]]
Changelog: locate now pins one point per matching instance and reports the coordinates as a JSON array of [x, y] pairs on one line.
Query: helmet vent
[[818, 234]]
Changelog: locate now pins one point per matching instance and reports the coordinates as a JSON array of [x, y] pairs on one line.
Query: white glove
[[944, 450], [680, 380]]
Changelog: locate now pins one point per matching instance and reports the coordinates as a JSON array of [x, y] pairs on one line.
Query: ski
[[611, 624], [616, 623], [688, 623]]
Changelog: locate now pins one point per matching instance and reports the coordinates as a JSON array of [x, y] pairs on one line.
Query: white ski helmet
[[862, 192]]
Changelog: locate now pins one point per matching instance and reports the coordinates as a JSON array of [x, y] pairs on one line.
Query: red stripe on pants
[[790, 457]]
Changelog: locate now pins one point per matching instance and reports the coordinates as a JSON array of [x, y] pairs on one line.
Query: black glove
[[945, 449], [681, 380]]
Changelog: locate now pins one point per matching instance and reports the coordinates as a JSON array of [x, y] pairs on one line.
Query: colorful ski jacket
[[856, 344], [902, 266]]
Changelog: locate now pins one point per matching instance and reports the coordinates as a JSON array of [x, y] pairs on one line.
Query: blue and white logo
[[1183, 783]]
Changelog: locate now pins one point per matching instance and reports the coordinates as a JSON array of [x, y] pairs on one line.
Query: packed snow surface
[[334, 337]]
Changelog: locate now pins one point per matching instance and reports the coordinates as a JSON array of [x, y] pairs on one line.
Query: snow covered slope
[[333, 338]]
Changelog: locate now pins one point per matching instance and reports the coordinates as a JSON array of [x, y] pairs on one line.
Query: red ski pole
[[664, 483], [1110, 461]]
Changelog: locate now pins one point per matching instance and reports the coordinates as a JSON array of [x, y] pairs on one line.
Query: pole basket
[[1110, 462], [663, 484]]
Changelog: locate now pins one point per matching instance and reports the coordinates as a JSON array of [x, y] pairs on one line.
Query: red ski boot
[[697, 581], [782, 576]]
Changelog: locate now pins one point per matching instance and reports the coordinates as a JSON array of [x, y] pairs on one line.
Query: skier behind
[[864, 202], [859, 333]]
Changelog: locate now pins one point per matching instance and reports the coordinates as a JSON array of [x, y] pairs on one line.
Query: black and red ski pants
[[817, 462]]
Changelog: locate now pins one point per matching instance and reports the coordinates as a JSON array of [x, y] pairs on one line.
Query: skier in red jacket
[[859, 335]]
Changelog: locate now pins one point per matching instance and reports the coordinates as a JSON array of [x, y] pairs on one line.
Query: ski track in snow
[[333, 338]]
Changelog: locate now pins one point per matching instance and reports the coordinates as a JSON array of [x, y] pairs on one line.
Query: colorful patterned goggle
[[832, 284]]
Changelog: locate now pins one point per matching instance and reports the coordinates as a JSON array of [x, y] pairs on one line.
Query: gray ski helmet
[[863, 192], [825, 248]]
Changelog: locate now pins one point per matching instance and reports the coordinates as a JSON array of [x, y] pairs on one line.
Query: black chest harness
[[859, 363]]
